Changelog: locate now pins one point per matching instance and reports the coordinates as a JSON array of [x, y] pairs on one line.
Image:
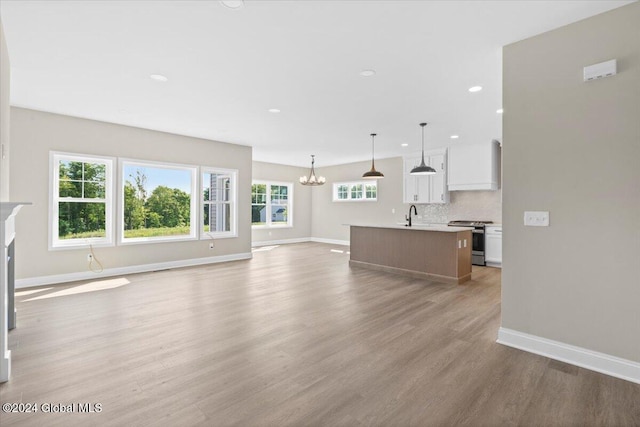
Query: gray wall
[[328, 217], [35, 133], [301, 202], [573, 148], [4, 116]]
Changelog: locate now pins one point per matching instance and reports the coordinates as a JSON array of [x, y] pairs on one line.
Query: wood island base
[[437, 253]]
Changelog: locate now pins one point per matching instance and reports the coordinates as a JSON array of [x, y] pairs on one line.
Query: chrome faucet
[[408, 218]]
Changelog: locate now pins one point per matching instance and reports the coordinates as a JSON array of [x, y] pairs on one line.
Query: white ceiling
[[227, 67]]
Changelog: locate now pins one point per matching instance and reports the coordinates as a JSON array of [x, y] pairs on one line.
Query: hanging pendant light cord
[[422, 125], [373, 147]]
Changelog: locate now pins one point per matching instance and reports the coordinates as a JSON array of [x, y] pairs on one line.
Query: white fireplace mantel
[[8, 211]]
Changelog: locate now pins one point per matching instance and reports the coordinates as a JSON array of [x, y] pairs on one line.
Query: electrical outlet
[[89, 257], [211, 245]]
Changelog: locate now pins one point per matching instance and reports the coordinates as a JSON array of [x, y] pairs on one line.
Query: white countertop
[[417, 227]]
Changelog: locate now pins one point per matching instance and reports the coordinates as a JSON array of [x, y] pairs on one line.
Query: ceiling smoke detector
[[158, 78], [232, 4]]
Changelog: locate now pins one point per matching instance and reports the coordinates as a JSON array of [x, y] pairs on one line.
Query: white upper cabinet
[[416, 188], [474, 167], [426, 188], [438, 189]]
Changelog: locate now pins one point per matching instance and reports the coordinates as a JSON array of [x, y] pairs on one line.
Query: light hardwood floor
[[293, 337]]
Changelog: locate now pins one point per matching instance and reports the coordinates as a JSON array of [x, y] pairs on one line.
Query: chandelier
[[311, 179]]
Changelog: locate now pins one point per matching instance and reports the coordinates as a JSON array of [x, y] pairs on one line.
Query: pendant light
[[373, 173], [423, 169], [311, 179]]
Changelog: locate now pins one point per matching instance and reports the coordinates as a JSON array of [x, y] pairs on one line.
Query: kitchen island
[[439, 252]]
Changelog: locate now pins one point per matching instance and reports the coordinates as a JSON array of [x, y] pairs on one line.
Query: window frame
[[54, 243], [194, 214], [233, 202], [350, 185], [268, 224]]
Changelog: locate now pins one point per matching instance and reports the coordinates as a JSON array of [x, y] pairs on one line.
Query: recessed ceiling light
[[475, 89], [454, 136], [368, 73], [273, 110], [232, 4], [158, 77], [404, 145], [499, 111]]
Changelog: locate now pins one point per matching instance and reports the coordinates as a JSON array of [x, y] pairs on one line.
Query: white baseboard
[[5, 366], [88, 275], [280, 242], [330, 241], [588, 359], [301, 240]]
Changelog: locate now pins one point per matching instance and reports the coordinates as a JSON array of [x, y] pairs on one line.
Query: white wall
[[302, 207], [35, 134], [573, 149], [5, 82]]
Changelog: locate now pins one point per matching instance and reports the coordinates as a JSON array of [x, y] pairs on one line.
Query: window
[[271, 204], [81, 208], [355, 191], [158, 202], [342, 192], [218, 203]]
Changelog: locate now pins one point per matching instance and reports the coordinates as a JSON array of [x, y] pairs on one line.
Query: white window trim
[[289, 223], [54, 198], [349, 184], [194, 217], [234, 204]]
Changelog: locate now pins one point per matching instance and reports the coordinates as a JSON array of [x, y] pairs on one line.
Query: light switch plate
[[536, 218]]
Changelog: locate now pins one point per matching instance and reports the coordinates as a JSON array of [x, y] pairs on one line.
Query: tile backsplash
[[465, 205], [433, 213]]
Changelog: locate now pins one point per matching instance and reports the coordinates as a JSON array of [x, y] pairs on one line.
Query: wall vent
[[598, 71]]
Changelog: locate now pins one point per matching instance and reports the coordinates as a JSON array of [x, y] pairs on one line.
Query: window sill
[[268, 227], [81, 246], [206, 236], [354, 200]]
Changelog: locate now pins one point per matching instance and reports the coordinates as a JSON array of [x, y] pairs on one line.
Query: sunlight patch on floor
[[30, 292], [98, 285], [264, 248]]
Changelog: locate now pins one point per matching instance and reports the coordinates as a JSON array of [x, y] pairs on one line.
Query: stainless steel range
[[477, 247]]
